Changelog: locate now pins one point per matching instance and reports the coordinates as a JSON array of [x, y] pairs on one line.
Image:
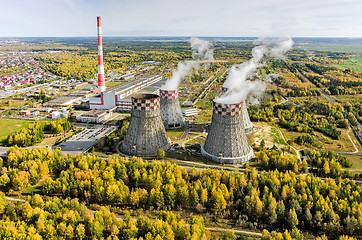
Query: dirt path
[[295, 150], [14, 199], [232, 230], [354, 145], [41, 181]]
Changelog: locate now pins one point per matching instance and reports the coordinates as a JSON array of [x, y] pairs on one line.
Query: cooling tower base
[[228, 160], [249, 129]]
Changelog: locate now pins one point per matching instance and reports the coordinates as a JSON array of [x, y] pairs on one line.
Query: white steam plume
[[237, 84], [201, 50]]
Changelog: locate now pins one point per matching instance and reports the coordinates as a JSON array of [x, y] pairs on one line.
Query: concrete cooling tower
[[170, 109], [226, 141], [146, 133], [248, 125]]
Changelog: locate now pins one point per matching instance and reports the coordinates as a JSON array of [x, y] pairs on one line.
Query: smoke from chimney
[[237, 84], [201, 50]]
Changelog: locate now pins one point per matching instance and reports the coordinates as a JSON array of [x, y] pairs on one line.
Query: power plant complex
[[152, 114]]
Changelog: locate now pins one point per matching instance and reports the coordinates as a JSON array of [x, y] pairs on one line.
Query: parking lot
[[85, 139]]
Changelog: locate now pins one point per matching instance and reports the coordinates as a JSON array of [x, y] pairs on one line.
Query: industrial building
[[64, 101], [117, 96], [94, 116], [125, 104]]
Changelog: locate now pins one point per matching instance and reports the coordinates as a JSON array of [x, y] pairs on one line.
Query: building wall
[[94, 119]]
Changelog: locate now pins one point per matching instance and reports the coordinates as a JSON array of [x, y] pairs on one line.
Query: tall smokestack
[[101, 80], [146, 133], [170, 109], [226, 141]]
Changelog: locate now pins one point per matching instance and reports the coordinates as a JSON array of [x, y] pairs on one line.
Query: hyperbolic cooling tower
[[248, 125], [226, 141], [170, 109], [146, 133]]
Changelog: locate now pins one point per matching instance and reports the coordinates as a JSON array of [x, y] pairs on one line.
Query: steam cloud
[[202, 51], [237, 84]]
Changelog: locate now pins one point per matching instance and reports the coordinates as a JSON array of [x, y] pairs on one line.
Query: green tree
[[292, 218]]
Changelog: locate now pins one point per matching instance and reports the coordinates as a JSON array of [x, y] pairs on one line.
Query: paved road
[[9, 93]]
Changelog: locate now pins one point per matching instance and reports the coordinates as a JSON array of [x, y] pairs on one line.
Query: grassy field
[[356, 162], [277, 138], [175, 133], [327, 144], [355, 62], [11, 125], [11, 103], [346, 48], [349, 98], [112, 84]]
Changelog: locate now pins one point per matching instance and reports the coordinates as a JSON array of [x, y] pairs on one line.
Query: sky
[[208, 18]]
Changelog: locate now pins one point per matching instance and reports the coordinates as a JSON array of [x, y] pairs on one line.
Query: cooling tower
[[226, 141], [146, 132], [248, 125], [170, 109]]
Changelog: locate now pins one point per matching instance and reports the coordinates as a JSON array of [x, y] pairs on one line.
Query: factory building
[[94, 116], [125, 104], [120, 96]]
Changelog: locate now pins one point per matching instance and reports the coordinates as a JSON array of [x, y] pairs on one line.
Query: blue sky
[[237, 18]]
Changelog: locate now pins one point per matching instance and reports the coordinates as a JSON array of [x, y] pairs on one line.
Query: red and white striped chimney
[[101, 80]]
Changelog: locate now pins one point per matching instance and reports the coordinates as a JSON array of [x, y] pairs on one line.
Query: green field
[[356, 162], [354, 62], [11, 125], [175, 133], [113, 84], [277, 138], [346, 48], [349, 98], [11, 103]]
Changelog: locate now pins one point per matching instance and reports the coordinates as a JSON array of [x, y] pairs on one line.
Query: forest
[[270, 200]]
